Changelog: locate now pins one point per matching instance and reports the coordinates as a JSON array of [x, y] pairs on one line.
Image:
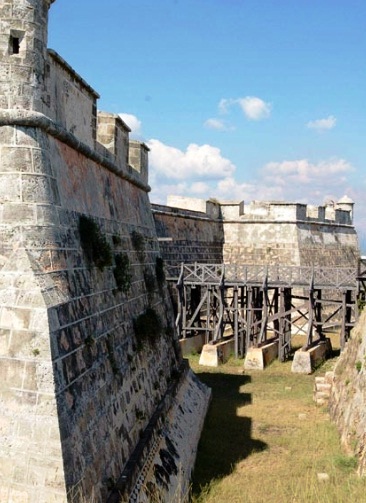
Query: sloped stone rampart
[[348, 394], [88, 352], [78, 387]]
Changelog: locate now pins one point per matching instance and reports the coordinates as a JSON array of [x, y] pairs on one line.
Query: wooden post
[[344, 320], [249, 317], [236, 316]]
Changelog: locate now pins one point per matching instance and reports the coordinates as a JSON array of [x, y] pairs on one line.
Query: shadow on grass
[[226, 438]]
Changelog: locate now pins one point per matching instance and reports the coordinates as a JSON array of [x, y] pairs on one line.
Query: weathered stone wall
[[330, 245], [259, 233], [90, 370], [66, 92], [75, 377], [348, 395], [188, 236], [261, 243]]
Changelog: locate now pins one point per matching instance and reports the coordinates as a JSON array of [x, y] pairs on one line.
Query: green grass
[[265, 440]]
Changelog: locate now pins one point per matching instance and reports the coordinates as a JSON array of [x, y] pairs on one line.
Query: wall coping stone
[[25, 118], [74, 74], [160, 209], [182, 213]]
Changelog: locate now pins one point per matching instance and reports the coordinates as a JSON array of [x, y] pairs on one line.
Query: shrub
[[346, 463], [148, 326], [116, 240], [149, 281], [138, 243], [122, 272], [94, 243]]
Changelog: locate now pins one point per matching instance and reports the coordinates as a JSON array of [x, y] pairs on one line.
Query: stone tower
[[23, 53], [29, 424]]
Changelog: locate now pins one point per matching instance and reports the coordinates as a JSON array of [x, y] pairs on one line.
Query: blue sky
[[237, 99]]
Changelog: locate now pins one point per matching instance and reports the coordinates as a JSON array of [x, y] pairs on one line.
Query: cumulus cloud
[[195, 162], [322, 124], [217, 124], [302, 171], [132, 122], [254, 108]]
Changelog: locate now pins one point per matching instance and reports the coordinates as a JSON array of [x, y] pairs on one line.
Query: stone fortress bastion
[[261, 232], [96, 402]]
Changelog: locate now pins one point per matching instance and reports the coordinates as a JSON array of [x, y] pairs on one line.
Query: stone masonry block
[[41, 162], [11, 317], [12, 372], [21, 213], [36, 189], [10, 188]]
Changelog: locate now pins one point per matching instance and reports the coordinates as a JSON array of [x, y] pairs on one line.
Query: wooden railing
[[272, 275]]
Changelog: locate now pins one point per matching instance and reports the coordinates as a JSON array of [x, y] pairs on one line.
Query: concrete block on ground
[[305, 361], [192, 344], [214, 354], [259, 358]]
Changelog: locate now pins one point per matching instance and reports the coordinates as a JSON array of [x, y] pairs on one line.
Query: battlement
[[38, 85], [340, 213]]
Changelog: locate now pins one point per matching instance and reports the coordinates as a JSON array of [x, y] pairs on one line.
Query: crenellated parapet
[[278, 211], [38, 88], [261, 232]]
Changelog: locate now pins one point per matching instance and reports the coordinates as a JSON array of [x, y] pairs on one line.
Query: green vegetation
[[265, 439], [116, 240], [358, 366], [94, 243], [361, 302], [149, 281], [138, 243], [89, 341], [122, 272], [148, 326]]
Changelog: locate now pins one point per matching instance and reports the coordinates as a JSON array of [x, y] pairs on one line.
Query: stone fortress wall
[[347, 400], [258, 233], [92, 406]]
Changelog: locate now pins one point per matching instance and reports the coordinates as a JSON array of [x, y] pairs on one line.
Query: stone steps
[[323, 388]]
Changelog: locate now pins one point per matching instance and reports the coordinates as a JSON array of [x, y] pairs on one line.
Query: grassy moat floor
[[265, 440]]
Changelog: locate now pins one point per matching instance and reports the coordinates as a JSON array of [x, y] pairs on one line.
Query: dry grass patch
[[265, 440]]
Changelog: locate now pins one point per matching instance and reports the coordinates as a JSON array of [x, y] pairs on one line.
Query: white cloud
[[201, 171], [215, 124], [302, 171], [132, 122], [200, 188], [196, 162], [225, 104], [322, 124], [254, 108]]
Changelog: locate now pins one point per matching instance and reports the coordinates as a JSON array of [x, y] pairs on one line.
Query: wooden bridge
[[256, 303]]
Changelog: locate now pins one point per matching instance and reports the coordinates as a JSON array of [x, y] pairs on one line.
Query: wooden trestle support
[[257, 304]]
